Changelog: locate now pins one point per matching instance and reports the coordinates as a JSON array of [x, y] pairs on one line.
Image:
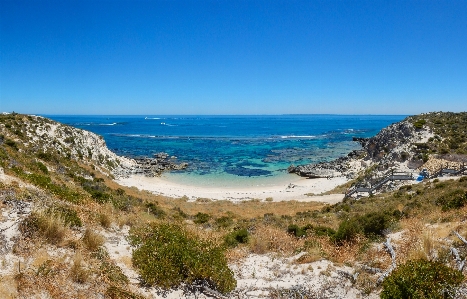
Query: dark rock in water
[[243, 171], [155, 166]]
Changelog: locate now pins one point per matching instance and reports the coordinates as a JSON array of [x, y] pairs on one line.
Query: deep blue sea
[[234, 150]]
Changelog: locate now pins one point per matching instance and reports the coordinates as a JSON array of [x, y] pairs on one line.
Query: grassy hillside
[[450, 131]]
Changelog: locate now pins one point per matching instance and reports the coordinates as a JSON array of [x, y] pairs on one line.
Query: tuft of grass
[[104, 220], [78, 272], [50, 227], [92, 240]]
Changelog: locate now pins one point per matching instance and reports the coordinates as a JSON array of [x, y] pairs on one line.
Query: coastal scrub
[[168, 256]]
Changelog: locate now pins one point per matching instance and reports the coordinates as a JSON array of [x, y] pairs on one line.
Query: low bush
[[295, 230], [322, 231], [45, 156], [422, 279], [109, 269], [224, 221], [371, 225], [42, 167], [154, 209], [11, 144], [201, 218], [167, 255], [236, 237], [452, 200], [114, 292]]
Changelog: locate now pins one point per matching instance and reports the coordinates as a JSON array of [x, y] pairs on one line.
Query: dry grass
[[78, 271], [272, 239], [8, 287], [92, 240], [104, 220]]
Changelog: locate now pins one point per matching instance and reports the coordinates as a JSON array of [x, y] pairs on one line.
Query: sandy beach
[[296, 188]]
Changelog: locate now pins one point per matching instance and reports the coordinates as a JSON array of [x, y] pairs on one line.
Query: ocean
[[233, 150]]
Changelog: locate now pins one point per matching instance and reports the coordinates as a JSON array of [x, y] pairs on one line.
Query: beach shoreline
[[296, 188]]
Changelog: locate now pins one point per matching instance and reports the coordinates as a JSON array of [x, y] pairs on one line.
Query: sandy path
[[295, 188]]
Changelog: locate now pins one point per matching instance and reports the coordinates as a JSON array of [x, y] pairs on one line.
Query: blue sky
[[233, 57]]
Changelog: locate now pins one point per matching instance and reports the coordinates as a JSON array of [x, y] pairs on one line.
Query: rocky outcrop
[[387, 140], [338, 167], [46, 136], [155, 166], [397, 143]]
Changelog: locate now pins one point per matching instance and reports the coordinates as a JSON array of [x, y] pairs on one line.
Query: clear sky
[[233, 57]]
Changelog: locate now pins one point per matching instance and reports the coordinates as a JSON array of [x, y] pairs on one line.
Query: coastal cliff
[[406, 145], [45, 137]]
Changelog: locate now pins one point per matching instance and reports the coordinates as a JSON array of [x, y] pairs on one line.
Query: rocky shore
[[157, 165], [393, 147]]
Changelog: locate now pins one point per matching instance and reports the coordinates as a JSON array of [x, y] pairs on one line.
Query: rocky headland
[[413, 144]]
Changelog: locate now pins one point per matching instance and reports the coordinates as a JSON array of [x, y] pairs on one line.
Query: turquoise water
[[234, 150]]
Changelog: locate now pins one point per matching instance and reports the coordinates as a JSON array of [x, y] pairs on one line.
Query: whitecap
[[298, 136]]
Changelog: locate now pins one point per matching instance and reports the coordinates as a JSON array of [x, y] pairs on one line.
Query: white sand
[[295, 188]]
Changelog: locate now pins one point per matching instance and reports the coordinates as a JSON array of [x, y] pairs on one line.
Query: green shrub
[[224, 221], [42, 167], [323, 231], [167, 255], [452, 200], [179, 213], [295, 230], [11, 144], [419, 123], [45, 156], [371, 225], [154, 209], [237, 236], [347, 231], [421, 279], [201, 218]]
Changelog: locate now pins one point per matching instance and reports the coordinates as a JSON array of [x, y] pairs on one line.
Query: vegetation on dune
[[450, 131], [422, 279], [167, 256]]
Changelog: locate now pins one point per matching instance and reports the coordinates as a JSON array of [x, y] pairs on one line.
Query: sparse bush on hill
[[167, 255], [201, 218], [295, 230], [453, 200], [239, 236], [422, 279], [154, 209], [371, 225], [224, 221], [69, 216]]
